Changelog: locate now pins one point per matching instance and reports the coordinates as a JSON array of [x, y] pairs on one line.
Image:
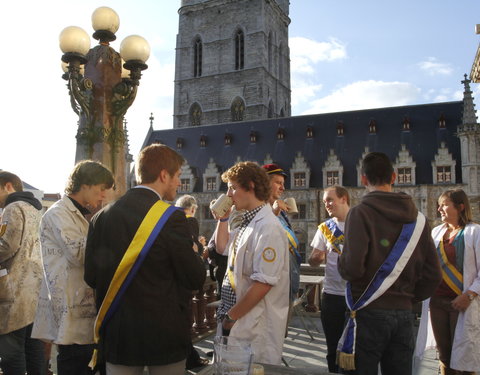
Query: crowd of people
[[111, 287]]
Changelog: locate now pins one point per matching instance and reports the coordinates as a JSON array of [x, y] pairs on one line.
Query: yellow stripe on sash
[[334, 241], [455, 273], [143, 232]]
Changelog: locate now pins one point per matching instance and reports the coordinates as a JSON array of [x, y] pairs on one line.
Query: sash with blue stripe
[[292, 238], [383, 279], [133, 258], [333, 234], [452, 277]]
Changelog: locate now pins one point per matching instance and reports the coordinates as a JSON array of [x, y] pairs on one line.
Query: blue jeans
[[20, 353], [74, 359], [385, 337], [332, 315]]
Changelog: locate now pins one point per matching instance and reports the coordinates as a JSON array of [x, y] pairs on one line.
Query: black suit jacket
[[149, 325]]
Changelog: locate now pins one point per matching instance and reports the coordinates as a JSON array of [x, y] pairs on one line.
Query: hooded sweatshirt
[[371, 229]]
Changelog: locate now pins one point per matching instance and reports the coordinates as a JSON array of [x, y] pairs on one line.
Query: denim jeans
[[385, 337], [20, 353], [74, 359], [332, 315]]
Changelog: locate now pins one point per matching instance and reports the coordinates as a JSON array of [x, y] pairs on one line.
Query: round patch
[[269, 254]]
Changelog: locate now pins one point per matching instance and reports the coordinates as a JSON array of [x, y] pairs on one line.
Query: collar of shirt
[[249, 215], [83, 210], [149, 188]]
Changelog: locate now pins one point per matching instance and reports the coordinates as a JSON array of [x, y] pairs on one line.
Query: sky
[[345, 55]]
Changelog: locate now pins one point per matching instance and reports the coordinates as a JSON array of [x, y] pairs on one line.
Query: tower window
[[239, 50], [195, 114], [197, 58], [238, 110]]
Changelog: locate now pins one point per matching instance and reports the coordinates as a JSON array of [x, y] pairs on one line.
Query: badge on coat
[[269, 254], [3, 228]]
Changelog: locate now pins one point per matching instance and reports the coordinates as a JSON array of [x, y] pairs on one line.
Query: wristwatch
[[471, 296], [229, 319]]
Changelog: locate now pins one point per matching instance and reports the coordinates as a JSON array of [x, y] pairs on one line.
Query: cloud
[[305, 53], [365, 94], [433, 67]]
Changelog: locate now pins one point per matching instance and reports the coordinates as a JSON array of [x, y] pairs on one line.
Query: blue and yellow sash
[[383, 279], [133, 258], [292, 238], [333, 234], [452, 277]]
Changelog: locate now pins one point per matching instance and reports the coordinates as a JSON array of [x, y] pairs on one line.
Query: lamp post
[[102, 85]]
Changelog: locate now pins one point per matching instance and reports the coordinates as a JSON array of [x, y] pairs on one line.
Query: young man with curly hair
[[255, 291]]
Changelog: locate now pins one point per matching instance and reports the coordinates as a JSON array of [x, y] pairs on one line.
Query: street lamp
[[102, 84]]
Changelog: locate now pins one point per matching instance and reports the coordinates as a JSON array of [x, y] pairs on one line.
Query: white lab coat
[[466, 343], [263, 326]]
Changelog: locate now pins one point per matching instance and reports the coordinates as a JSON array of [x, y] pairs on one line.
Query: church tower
[[232, 61]]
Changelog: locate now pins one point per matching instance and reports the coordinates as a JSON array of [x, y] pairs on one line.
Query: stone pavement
[[300, 351]]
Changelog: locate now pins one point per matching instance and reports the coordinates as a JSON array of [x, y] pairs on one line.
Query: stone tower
[[469, 134], [232, 61]]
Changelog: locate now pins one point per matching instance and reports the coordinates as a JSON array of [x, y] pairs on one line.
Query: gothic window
[[405, 167], [270, 109], [332, 178], [239, 50], [282, 113], [444, 175], [443, 166], [195, 114], [299, 179], [238, 109], [404, 176], [197, 57]]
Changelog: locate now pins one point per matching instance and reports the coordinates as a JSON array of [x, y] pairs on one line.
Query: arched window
[[280, 62], [238, 109], [195, 115], [197, 57], [239, 50]]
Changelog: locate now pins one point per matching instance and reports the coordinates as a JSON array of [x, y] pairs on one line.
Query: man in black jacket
[[148, 328]]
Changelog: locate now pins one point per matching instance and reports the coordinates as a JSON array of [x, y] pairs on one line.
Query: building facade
[[433, 147]]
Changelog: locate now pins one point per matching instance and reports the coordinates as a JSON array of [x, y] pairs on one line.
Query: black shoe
[[200, 362]]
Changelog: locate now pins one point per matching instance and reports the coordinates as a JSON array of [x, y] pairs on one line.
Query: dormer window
[[372, 126], [340, 128], [441, 121], [253, 136], [228, 139], [203, 141], [406, 124], [309, 132], [280, 134], [179, 143]]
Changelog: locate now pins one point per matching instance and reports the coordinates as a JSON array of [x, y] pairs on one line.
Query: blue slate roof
[[422, 140]]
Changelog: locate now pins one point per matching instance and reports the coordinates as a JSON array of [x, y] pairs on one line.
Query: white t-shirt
[[333, 282]]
